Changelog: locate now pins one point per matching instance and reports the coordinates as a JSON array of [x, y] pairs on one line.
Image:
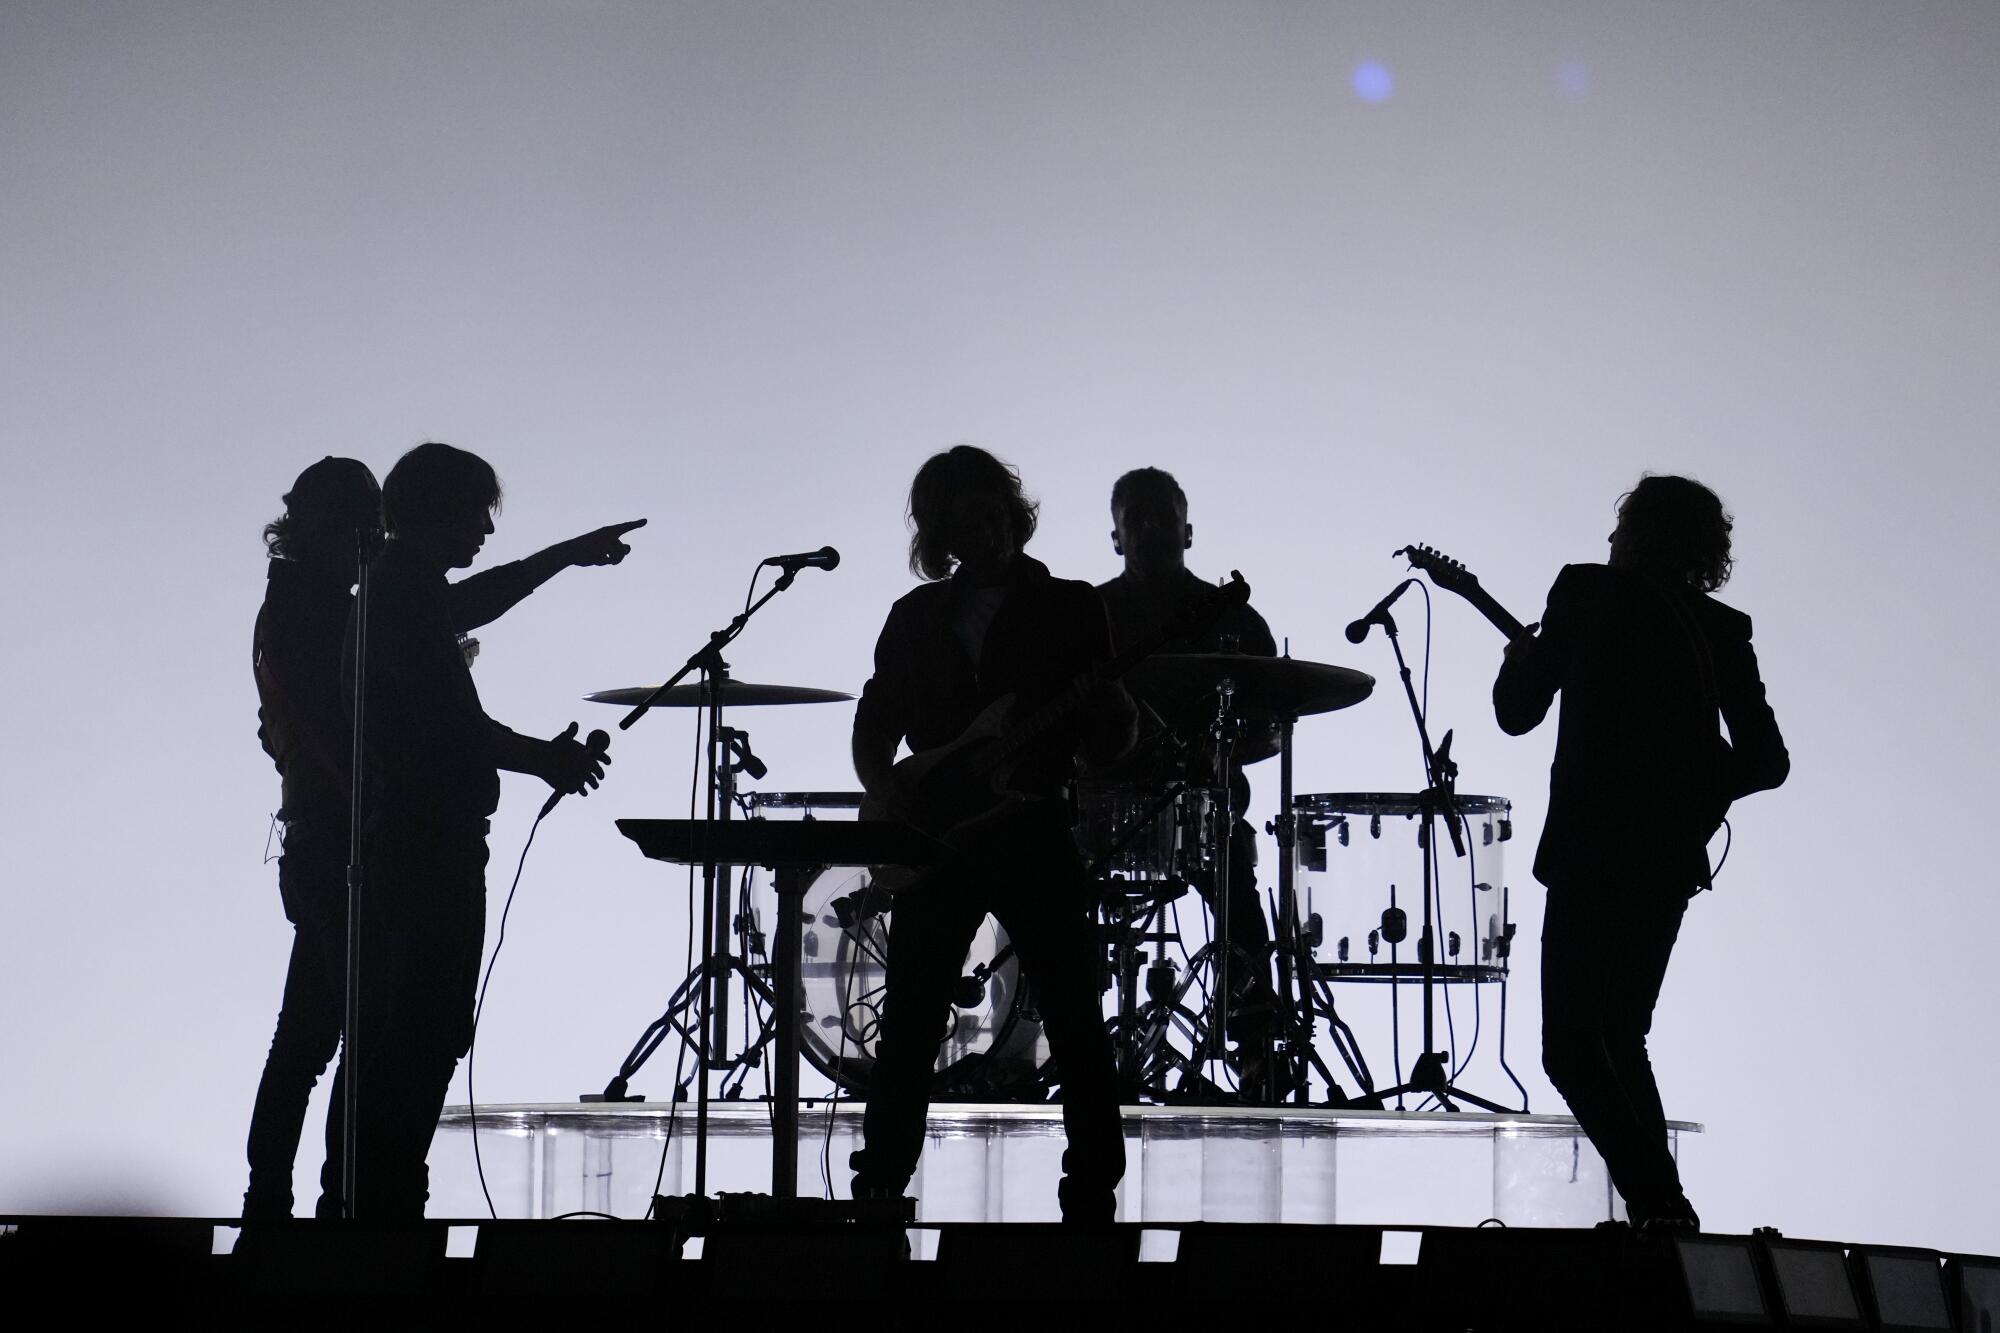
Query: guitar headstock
[[1446, 572]]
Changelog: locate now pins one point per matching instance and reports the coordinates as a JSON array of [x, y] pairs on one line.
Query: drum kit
[[1166, 821]]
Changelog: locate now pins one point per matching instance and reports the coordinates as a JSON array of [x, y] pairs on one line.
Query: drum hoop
[[803, 800], [1143, 790], [1390, 803]]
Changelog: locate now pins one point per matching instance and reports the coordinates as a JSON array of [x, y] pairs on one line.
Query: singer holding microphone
[[430, 781]]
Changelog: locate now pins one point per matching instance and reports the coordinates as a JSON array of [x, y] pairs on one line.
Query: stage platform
[[1000, 1162], [757, 1265]]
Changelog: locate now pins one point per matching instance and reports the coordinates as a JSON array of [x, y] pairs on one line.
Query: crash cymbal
[[1265, 687], [735, 694]]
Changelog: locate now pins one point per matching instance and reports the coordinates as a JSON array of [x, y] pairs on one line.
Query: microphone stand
[[717, 964], [1428, 1075], [350, 1113]]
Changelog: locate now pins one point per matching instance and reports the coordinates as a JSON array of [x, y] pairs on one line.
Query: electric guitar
[[1450, 575], [1712, 806], [953, 790]]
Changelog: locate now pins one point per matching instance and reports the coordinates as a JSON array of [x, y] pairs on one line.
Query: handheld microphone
[[824, 558], [598, 743], [1358, 630]]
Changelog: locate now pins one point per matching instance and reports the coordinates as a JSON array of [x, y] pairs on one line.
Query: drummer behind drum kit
[[1341, 908]]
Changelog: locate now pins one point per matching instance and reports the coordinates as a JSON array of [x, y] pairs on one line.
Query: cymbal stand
[[711, 977], [1429, 1074], [1224, 731]]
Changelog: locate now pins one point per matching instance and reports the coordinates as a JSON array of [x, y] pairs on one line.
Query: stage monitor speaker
[[86, 1262], [1720, 1283], [544, 1263], [1036, 1263], [755, 1265], [1974, 1282], [1815, 1287], [1905, 1288], [306, 1258], [1247, 1264], [1535, 1277]]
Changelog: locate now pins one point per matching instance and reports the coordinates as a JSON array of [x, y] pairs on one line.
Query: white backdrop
[[740, 268]]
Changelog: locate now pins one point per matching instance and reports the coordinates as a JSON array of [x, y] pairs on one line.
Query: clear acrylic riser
[[1000, 1163]]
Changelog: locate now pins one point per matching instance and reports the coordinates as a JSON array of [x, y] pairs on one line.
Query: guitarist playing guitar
[[1650, 668], [990, 622]]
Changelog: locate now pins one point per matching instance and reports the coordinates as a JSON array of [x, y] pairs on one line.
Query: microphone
[[746, 759], [1358, 630], [598, 743], [824, 558]]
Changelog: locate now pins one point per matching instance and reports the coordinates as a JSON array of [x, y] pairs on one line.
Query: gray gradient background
[[740, 268]]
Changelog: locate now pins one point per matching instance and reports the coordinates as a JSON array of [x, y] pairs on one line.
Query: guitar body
[[941, 789], [956, 791], [950, 791]]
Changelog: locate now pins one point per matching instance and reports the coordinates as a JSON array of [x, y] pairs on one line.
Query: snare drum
[[1167, 842], [1359, 863], [995, 1045]]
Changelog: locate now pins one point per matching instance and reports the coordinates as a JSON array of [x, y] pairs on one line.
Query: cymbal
[[1268, 688], [735, 694]]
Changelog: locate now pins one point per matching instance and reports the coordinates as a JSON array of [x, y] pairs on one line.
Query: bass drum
[[994, 1050]]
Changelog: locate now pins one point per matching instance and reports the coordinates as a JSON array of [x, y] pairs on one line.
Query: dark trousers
[[1604, 956], [1027, 875], [1254, 1001], [423, 929], [312, 881]]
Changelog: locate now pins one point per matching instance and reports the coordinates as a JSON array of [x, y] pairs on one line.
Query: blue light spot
[[1574, 78], [1373, 82]]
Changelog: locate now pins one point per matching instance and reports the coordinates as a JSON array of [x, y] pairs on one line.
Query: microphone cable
[[479, 1007]]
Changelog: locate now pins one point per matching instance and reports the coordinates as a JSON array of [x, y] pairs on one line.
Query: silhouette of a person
[[1650, 667], [1150, 529], [315, 546], [990, 621], [431, 759]]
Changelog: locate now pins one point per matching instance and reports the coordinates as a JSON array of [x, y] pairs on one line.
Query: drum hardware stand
[[1429, 1074], [711, 977], [1313, 997], [1224, 730], [1122, 916], [1146, 1058]]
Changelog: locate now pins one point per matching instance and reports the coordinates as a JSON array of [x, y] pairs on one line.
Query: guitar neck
[[1483, 602]]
